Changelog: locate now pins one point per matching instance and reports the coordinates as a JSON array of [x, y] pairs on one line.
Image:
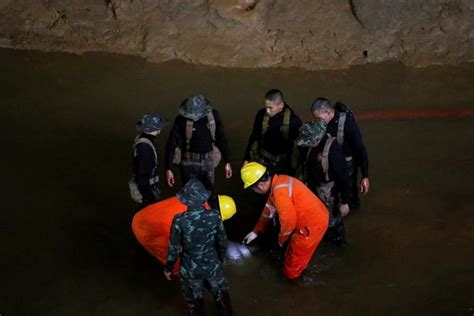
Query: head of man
[[151, 123], [311, 133], [193, 193], [224, 204], [323, 109], [256, 177], [274, 102]]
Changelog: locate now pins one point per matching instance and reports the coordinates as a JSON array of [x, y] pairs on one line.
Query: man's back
[[203, 239]]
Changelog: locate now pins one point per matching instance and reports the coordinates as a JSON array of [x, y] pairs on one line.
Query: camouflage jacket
[[201, 235]]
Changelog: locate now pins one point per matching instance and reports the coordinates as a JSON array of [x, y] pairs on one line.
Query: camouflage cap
[[193, 194], [151, 122], [195, 107], [311, 132]]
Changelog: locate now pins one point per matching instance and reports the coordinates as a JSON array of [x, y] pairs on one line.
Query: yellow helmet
[[251, 173], [227, 206]]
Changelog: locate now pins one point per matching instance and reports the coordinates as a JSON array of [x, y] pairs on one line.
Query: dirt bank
[[248, 33]]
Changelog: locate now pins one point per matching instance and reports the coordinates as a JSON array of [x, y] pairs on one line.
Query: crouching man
[[198, 236], [303, 217], [151, 225]]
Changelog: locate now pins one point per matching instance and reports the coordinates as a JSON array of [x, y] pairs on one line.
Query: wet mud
[[67, 247]]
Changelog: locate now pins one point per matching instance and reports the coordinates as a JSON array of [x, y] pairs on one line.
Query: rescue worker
[[271, 142], [196, 143], [144, 185], [303, 217], [198, 235], [326, 174], [342, 125], [151, 225]]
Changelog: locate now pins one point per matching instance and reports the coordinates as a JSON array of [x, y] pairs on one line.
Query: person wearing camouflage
[[197, 142], [144, 186], [326, 174], [198, 235]]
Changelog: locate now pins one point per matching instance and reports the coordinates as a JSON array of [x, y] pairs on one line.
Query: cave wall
[[310, 34]]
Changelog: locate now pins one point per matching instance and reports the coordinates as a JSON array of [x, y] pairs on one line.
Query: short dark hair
[[274, 95], [321, 104]]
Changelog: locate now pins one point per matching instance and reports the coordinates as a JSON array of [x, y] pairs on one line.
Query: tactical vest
[[215, 154], [285, 128], [257, 150], [324, 189], [155, 178]]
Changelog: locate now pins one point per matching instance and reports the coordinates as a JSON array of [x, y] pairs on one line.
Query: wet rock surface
[[248, 33]]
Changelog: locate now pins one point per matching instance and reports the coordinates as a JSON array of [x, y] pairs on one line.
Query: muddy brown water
[[66, 246]]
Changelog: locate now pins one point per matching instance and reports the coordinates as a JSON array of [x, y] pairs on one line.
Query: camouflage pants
[[203, 170], [193, 289], [336, 231]]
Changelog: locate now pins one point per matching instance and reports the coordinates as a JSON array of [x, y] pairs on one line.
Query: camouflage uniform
[[201, 235]]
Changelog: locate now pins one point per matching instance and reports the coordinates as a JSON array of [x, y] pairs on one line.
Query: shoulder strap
[[265, 120], [144, 140], [189, 133], [340, 127], [212, 125], [285, 129], [325, 156]]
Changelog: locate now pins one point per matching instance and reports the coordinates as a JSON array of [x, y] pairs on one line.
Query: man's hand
[[344, 209], [228, 170], [249, 238], [170, 178], [167, 275], [364, 185]]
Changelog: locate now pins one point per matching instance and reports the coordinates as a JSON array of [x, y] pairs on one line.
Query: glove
[[167, 275], [249, 238]]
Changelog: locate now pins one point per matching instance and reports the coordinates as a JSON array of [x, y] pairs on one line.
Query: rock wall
[[310, 34]]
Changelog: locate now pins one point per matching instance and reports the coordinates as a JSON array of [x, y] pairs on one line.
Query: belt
[[197, 156], [277, 158], [349, 158], [154, 180]]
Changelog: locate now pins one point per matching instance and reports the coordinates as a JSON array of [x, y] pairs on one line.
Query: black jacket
[[274, 141], [201, 141], [353, 144]]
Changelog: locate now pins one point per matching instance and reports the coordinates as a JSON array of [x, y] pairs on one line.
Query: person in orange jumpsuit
[[151, 225], [303, 217]]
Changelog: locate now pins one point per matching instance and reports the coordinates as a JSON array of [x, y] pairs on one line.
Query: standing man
[[326, 174], [198, 236], [303, 217], [197, 142], [272, 139], [342, 125], [144, 185]]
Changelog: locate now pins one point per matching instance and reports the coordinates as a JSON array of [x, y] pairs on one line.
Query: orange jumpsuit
[[152, 225], [303, 220]]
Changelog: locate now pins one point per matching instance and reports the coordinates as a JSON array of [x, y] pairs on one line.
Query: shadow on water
[[67, 248]]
